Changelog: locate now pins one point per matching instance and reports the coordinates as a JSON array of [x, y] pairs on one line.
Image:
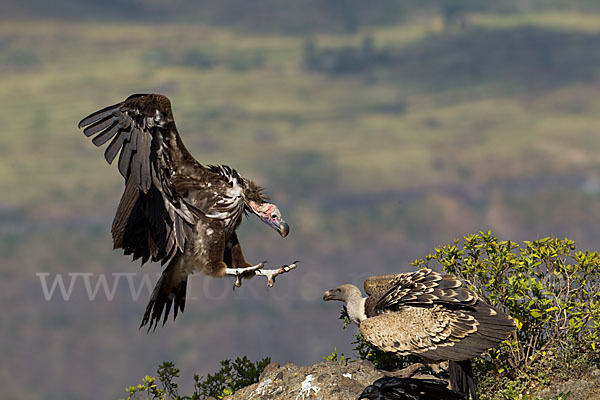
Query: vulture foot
[[243, 273], [406, 372], [256, 270], [271, 274]]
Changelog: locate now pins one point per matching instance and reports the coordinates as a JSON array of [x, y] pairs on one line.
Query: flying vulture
[[428, 314], [174, 209], [392, 388]]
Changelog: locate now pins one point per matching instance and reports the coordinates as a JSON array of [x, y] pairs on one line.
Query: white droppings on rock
[[261, 388], [308, 388], [347, 376], [287, 382]]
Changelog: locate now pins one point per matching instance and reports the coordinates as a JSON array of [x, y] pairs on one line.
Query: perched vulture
[[428, 314], [173, 208], [391, 388]]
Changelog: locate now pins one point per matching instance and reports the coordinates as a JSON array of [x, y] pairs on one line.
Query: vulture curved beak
[[279, 225], [283, 228], [270, 215], [328, 296]]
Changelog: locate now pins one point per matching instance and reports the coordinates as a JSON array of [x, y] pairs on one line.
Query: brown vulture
[[428, 314], [173, 208], [392, 388]]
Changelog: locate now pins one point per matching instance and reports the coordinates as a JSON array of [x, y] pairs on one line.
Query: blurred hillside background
[[382, 129]]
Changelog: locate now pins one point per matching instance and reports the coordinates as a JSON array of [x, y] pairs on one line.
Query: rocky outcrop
[[322, 381], [586, 388], [332, 380]]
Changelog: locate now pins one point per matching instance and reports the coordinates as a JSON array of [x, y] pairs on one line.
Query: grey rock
[[587, 388], [332, 380], [327, 380]]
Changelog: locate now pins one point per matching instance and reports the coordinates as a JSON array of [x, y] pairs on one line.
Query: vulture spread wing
[[173, 208], [433, 315], [424, 287], [167, 190]]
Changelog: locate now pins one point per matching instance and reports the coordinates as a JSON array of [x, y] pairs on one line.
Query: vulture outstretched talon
[[256, 270], [243, 273], [428, 314], [175, 210], [271, 274]]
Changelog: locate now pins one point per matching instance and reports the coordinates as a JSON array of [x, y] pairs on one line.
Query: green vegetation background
[[381, 132]]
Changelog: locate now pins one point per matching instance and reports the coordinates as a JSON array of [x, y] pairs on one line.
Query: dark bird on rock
[[174, 209], [392, 388], [428, 314]]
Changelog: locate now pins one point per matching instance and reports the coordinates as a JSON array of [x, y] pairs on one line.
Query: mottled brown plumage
[[173, 208], [424, 313]]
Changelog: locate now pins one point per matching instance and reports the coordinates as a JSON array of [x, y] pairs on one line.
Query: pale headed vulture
[[428, 314], [173, 208]]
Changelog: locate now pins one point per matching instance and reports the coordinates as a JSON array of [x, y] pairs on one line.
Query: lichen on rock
[[328, 380]]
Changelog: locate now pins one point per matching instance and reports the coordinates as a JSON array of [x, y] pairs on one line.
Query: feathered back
[[433, 315], [422, 287]]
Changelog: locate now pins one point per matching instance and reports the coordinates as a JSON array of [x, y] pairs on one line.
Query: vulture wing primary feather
[[428, 314], [175, 210]]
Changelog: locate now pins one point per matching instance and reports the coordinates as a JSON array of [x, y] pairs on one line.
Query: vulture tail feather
[[461, 378], [170, 288]]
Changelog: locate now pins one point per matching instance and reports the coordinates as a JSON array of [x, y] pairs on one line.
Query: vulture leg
[[271, 274], [256, 270], [234, 257], [243, 273], [406, 372], [238, 267], [438, 367]]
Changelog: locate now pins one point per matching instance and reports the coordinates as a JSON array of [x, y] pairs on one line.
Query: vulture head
[[342, 293], [256, 202], [352, 298], [270, 215]]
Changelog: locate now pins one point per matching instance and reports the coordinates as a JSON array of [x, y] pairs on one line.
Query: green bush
[[549, 288], [148, 389], [552, 292], [334, 356], [232, 376]]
